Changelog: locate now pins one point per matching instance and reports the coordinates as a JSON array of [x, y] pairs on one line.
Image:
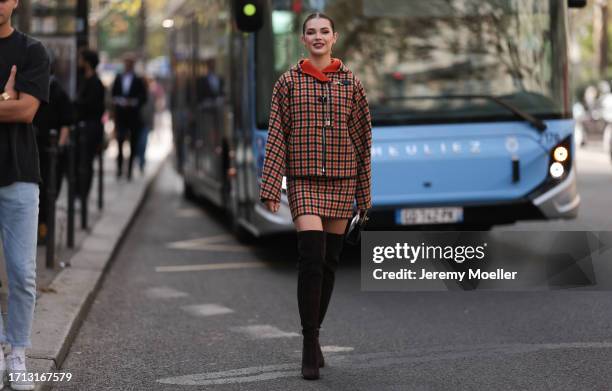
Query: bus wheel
[[188, 192], [239, 232], [233, 214], [242, 235]]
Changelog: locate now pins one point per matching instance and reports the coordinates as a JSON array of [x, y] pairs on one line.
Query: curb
[[58, 316]]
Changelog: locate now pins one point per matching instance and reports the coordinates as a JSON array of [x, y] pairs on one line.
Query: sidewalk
[[65, 293]]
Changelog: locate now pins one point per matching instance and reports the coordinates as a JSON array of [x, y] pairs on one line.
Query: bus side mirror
[[249, 14], [576, 3]]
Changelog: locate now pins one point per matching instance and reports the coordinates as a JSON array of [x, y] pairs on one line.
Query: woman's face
[[319, 37]]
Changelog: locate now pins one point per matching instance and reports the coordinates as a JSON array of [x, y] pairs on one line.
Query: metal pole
[[51, 197], [71, 186], [82, 170], [82, 23], [101, 179], [600, 36], [25, 16]]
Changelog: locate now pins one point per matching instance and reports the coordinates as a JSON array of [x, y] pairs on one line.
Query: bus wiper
[[533, 121]]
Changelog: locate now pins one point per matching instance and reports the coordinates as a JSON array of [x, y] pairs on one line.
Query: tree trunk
[[600, 36]]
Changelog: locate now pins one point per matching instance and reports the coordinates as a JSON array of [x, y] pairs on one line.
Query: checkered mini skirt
[[325, 197]]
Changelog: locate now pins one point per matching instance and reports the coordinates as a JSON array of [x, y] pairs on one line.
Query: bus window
[[406, 50]]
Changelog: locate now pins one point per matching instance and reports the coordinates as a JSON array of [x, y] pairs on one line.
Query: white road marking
[[210, 243], [333, 349], [352, 362], [336, 349], [244, 375], [164, 292], [210, 266], [206, 309], [187, 213], [264, 331]]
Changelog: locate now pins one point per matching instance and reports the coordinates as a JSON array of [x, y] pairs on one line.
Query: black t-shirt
[[90, 102], [18, 151]]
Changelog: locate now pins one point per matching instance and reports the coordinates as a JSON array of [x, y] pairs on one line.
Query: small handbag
[[353, 232]]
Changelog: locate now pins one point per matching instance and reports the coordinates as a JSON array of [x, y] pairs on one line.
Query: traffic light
[[249, 14]]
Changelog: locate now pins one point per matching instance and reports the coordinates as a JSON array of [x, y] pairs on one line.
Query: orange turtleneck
[[311, 70]]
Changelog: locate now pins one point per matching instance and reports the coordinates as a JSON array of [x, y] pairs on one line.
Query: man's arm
[[21, 110]]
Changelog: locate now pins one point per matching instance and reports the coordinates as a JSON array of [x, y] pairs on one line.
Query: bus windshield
[[411, 53]]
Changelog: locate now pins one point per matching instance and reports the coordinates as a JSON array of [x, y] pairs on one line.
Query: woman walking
[[320, 136]]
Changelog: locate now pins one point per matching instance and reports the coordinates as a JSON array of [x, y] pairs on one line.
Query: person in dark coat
[[58, 114], [90, 105], [320, 137], [129, 95]]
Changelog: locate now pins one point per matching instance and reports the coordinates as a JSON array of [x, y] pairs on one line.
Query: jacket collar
[[305, 66]]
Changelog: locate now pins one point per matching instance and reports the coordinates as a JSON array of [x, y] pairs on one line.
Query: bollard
[[71, 150], [51, 198], [101, 178], [82, 171]]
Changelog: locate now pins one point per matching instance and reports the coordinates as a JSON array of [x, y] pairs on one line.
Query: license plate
[[416, 216]]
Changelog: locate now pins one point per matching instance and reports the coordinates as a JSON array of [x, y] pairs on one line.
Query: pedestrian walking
[[148, 122], [24, 82], [129, 95], [90, 105], [320, 137], [58, 115]]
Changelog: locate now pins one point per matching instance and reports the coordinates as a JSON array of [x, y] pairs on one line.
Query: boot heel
[[310, 359]]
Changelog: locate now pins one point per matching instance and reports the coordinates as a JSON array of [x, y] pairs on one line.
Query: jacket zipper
[[327, 119]]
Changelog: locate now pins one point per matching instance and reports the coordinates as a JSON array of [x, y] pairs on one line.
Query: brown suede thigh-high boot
[[310, 276]]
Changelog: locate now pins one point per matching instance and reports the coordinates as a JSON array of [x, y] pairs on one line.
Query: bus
[[470, 103]]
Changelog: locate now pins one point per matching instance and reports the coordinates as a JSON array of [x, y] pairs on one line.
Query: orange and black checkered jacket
[[319, 126]]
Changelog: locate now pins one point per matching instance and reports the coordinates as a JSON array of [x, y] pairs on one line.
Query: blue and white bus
[[470, 105]]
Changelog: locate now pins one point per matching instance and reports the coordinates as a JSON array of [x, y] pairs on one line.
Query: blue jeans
[[18, 232]]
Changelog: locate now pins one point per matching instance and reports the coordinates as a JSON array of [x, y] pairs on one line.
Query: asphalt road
[[187, 307]]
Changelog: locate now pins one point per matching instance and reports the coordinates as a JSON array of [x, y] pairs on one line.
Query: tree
[[600, 36]]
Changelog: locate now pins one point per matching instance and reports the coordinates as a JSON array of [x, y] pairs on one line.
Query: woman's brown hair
[[314, 16]]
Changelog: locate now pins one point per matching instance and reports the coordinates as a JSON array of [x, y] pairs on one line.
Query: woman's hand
[[9, 88], [272, 206]]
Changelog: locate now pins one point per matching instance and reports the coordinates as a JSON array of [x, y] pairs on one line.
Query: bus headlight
[[560, 160], [557, 170], [560, 154]]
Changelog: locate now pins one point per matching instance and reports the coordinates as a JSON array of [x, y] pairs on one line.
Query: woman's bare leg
[[308, 223], [335, 226]]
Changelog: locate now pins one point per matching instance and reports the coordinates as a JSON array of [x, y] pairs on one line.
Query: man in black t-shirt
[[24, 85]]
